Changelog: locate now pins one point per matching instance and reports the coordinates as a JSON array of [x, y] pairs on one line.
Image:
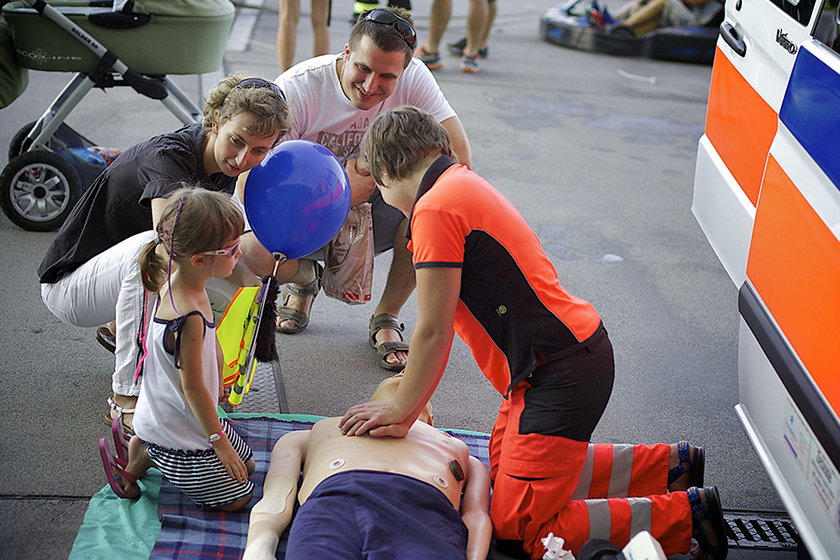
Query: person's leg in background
[[287, 33], [642, 17], [457, 48], [476, 22], [439, 16], [492, 8], [287, 30], [360, 6], [404, 4], [320, 17]]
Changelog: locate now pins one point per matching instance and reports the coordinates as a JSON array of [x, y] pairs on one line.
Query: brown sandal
[[288, 313], [385, 321]]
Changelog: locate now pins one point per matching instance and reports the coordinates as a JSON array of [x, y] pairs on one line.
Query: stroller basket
[[159, 44]]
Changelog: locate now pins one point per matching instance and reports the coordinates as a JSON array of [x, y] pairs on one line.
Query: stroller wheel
[[38, 190], [18, 144]]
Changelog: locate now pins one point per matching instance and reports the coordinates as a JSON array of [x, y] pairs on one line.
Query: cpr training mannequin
[[415, 484]]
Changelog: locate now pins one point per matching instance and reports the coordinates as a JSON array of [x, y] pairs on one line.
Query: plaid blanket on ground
[[190, 532]]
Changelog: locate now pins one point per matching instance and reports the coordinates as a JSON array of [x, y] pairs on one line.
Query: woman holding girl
[[89, 276], [177, 426]]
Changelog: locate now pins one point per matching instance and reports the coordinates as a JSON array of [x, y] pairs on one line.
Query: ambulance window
[[827, 29], [800, 10]]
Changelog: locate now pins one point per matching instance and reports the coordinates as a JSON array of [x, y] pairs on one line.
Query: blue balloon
[[297, 199]]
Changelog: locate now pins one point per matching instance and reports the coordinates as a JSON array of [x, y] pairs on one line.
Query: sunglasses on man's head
[[387, 17], [260, 83]]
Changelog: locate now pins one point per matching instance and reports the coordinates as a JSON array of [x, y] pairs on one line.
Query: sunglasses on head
[[226, 252], [260, 83], [387, 17]]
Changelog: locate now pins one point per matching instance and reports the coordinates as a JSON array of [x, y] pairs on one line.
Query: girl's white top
[[163, 416]]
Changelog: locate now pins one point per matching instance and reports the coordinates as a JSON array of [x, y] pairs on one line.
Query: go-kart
[[570, 25]]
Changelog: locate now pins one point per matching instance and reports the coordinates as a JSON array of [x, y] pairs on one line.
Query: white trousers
[[106, 288]]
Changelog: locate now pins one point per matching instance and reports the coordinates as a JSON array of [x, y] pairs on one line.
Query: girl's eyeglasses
[[260, 83], [228, 252], [387, 17]]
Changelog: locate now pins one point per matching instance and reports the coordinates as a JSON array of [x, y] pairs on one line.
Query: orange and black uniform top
[[512, 311]]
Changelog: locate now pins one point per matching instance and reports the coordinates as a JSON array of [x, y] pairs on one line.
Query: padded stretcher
[[189, 39]]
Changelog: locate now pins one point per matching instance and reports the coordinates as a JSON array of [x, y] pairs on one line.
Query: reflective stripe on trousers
[[623, 469], [600, 517]]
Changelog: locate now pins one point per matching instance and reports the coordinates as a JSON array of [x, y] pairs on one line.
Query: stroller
[[106, 43]]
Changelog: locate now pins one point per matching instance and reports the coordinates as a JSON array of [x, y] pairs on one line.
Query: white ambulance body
[[767, 196]]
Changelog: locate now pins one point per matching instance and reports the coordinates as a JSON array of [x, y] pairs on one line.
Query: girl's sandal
[[115, 469], [121, 439], [116, 411], [713, 513]]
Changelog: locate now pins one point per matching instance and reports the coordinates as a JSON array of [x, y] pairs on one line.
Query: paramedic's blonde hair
[[271, 111], [399, 139]]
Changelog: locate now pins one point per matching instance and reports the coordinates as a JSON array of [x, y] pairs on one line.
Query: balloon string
[[278, 258]]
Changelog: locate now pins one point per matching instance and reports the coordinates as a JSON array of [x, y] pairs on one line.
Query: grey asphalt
[[596, 151]]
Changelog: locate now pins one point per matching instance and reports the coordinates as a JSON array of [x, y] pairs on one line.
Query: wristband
[[213, 438]]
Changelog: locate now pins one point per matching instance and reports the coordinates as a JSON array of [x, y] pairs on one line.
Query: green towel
[[117, 528]]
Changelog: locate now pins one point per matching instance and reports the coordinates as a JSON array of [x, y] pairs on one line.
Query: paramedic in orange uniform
[[482, 272]]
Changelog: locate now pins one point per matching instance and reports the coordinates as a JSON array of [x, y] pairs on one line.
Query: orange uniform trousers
[[578, 490]]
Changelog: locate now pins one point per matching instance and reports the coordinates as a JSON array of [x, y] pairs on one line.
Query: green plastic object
[[189, 39], [13, 78]]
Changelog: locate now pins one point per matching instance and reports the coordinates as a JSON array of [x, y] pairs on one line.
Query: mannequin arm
[[474, 510], [272, 514]]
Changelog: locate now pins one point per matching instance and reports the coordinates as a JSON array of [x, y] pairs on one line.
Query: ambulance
[[766, 196]]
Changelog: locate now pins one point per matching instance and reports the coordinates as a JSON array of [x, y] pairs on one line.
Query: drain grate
[[762, 530], [267, 394]]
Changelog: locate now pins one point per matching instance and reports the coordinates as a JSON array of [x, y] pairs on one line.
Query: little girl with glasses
[[176, 423]]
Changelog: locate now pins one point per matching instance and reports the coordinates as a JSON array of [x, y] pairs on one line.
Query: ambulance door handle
[[731, 37]]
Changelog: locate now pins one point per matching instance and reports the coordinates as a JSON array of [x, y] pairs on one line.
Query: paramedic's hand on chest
[[377, 418], [362, 184]]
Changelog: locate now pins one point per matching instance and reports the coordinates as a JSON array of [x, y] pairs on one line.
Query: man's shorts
[[200, 475], [386, 222], [376, 516]]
